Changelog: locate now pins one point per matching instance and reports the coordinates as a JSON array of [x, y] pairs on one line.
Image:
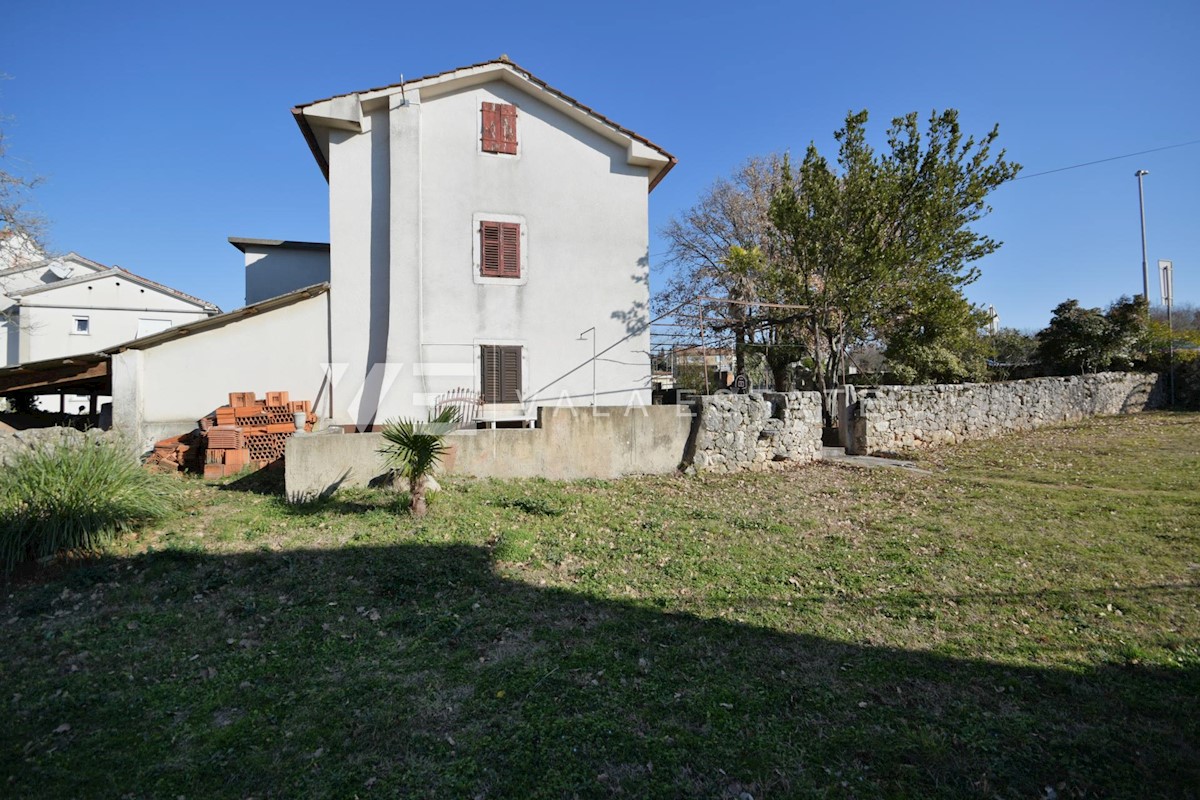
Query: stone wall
[[756, 432], [897, 418], [15, 441]]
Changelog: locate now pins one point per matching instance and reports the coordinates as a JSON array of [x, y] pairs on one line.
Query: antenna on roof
[[403, 97]]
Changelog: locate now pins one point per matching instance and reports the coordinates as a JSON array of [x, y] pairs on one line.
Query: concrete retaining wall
[[756, 432], [897, 418], [569, 444], [727, 433]]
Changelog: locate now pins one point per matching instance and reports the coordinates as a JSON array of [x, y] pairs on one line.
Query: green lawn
[[1024, 617]]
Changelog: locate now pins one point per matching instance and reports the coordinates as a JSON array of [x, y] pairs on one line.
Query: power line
[[1104, 160]]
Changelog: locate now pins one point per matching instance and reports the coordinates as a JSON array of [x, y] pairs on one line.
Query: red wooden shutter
[[510, 250], [499, 134], [508, 130], [489, 249], [500, 249], [491, 128]]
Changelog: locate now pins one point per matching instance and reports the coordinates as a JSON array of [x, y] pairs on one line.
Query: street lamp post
[[1145, 268]]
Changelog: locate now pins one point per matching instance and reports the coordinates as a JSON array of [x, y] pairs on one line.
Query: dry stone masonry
[[897, 418], [14, 442], [756, 432]]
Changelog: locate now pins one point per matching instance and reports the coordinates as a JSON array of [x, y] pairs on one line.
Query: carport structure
[[88, 374]]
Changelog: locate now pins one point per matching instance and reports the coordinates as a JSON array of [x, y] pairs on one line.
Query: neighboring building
[[694, 367], [59, 307], [71, 305], [275, 267], [486, 231]]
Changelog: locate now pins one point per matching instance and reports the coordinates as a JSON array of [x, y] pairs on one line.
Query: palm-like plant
[[414, 449]]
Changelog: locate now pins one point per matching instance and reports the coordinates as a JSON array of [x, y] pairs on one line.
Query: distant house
[[696, 366], [71, 305], [51, 308], [487, 231]]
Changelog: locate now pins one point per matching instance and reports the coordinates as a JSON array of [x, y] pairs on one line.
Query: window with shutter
[[499, 134], [500, 373], [500, 249]]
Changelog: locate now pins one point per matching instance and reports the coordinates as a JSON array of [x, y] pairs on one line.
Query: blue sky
[[161, 129]]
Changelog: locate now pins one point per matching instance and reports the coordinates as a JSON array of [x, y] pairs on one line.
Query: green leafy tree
[[878, 247], [1013, 353], [941, 343], [414, 449], [1013, 347], [1082, 340]]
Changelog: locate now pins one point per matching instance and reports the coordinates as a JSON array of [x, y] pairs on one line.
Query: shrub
[[1187, 380], [414, 449], [1080, 340], [73, 497]]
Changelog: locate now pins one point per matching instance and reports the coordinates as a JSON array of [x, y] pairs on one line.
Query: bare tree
[[22, 236], [22, 232], [725, 247]]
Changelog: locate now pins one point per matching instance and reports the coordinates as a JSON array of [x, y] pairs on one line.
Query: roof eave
[[501, 69], [218, 320], [311, 138]]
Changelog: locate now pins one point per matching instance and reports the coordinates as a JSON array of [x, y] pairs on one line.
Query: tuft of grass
[[73, 498], [514, 545]]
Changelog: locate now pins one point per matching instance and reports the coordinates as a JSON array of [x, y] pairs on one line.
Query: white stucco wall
[[272, 271], [164, 389], [113, 306], [359, 267], [417, 170], [284, 349], [47, 332]]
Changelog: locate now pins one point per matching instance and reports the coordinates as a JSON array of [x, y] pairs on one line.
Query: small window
[[81, 326], [500, 373], [499, 249], [499, 133]]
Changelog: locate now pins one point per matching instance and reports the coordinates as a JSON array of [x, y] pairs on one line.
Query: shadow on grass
[[270, 482], [418, 670], [266, 481]]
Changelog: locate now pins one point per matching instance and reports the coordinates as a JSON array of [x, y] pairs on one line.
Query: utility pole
[[1141, 173]]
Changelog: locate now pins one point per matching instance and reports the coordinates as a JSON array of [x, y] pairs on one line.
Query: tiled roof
[[524, 73], [117, 272]]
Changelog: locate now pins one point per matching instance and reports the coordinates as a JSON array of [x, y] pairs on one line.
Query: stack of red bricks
[[179, 453], [250, 432]]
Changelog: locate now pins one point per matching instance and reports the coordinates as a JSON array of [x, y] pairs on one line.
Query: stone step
[[833, 453]]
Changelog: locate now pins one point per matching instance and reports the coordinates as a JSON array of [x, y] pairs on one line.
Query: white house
[[486, 231], [79, 306], [51, 308], [484, 228]]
